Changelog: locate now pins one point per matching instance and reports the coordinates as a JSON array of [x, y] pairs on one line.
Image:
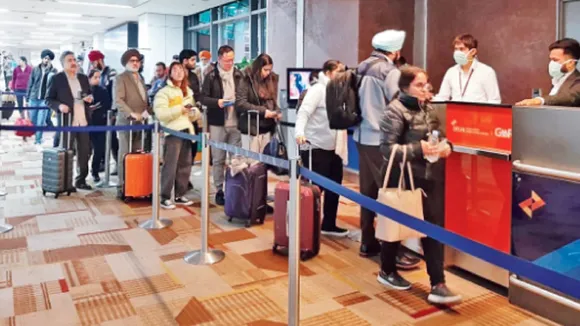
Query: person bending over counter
[[564, 55], [469, 80]]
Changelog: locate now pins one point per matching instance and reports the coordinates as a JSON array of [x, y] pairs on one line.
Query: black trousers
[[194, 145], [329, 165], [82, 148], [433, 212], [98, 140], [371, 177]]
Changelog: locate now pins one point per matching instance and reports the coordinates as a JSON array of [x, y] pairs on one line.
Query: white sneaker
[[183, 201], [167, 204]]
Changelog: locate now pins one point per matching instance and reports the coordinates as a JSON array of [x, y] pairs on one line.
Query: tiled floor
[[82, 260]]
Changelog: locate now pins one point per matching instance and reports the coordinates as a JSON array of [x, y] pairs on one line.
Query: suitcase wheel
[[126, 199], [68, 193], [275, 249], [304, 255], [44, 193], [230, 219], [248, 223], [56, 196]]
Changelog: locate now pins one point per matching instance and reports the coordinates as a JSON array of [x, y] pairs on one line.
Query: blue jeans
[[38, 117]]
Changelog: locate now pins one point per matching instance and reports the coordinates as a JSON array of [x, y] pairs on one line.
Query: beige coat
[[127, 97]]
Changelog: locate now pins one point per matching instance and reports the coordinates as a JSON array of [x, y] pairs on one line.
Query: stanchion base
[[155, 224], [212, 256], [5, 228], [106, 185]]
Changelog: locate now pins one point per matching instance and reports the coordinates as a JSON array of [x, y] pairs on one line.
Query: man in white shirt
[[469, 80]]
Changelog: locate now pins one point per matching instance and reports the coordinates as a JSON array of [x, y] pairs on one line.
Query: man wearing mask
[[469, 80], [219, 94], [379, 84], [69, 93], [564, 56], [36, 90], [130, 99]]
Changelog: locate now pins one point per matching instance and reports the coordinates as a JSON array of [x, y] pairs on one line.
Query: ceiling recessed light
[[63, 14], [3, 22], [4, 10], [93, 4], [72, 21]]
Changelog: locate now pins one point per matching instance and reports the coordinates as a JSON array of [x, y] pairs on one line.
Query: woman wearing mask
[[173, 106], [312, 126], [407, 122], [100, 107]]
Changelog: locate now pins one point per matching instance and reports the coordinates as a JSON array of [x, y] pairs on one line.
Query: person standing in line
[[159, 78], [20, 78], [219, 95], [131, 103], [80, 63], [36, 91], [469, 80], [174, 107], [312, 125], [102, 104], [69, 92], [204, 62]]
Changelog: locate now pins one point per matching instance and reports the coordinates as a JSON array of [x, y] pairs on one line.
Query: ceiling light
[[42, 33], [6, 44], [4, 10], [17, 23], [68, 21], [36, 42], [63, 14], [93, 4]]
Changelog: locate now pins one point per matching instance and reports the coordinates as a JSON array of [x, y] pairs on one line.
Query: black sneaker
[[96, 178], [407, 262], [440, 294], [370, 250], [183, 201], [167, 204], [335, 232], [83, 186], [220, 199], [393, 280]]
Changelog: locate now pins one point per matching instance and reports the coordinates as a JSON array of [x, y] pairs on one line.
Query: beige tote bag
[[409, 202]]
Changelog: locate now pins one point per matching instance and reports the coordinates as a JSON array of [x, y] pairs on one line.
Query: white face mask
[[555, 69], [460, 58]]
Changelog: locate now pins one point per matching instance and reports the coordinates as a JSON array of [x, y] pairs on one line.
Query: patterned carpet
[[82, 260]]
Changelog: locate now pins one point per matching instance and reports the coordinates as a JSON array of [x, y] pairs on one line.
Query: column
[[98, 41]]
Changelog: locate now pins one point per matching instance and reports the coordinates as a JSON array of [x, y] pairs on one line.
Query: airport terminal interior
[[99, 233]]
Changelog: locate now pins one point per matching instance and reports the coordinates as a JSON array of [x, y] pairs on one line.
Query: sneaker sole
[[167, 207], [408, 267], [443, 300], [335, 234], [385, 283], [189, 203]]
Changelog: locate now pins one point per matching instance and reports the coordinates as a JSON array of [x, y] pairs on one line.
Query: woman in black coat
[[100, 107]]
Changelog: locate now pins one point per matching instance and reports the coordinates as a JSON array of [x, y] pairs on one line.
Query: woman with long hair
[[174, 107]]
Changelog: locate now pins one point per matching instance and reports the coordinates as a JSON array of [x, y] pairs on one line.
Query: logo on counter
[[468, 130], [532, 204], [503, 133]]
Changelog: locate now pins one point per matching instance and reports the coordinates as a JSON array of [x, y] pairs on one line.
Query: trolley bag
[[138, 171], [246, 191], [57, 167], [8, 101], [309, 217]]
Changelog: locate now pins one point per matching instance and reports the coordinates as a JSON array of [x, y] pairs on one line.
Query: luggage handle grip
[[68, 141], [131, 122]]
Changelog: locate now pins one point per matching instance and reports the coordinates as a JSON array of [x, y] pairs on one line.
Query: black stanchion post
[[106, 183]]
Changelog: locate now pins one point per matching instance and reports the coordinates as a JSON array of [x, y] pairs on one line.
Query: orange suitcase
[[138, 172]]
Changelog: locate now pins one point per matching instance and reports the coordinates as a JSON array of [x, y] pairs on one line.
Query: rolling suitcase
[[138, 171], [57, 168], [246, 192], [309, 218], [8, 101]]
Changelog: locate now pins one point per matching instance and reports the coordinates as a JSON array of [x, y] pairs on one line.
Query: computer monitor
[[298, 80]]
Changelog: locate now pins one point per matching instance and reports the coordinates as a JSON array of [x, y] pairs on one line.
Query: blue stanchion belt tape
[[79, 129], [514, 264], [181, 134], [13, 93], [267, 159], [6, 108]]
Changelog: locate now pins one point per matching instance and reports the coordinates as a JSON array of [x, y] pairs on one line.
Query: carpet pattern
[[82, 260]]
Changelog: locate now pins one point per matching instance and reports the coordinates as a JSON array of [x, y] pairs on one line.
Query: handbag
[[24, 122], [276, 148], [409, 202]]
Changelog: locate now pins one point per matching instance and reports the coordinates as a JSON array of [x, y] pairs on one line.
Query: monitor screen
[[298, 81]]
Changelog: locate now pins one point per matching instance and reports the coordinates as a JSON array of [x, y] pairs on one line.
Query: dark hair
[[570, 46], [331, 65], [162, 64], [186, 55], [184, 83], [24, 59], [408, 74], [266, 87], [467, 39], [93, 72], [401, 61], [260, 62], [224, 49]]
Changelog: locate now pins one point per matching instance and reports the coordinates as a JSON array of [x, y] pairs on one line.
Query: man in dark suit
[[563, 68], [69, 93]]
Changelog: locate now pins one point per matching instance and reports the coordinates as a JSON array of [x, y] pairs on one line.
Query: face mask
[[555, 69], [460, 58]]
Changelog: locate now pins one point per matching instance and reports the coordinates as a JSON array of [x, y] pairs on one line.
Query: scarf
[[229, 86]]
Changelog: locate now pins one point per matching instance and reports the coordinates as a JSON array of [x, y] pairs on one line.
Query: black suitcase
[[8, 101], [57, 169]]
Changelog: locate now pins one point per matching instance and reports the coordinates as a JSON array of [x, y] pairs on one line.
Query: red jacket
[[20, 78]]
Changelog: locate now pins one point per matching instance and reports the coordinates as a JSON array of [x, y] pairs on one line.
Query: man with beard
[[97, 61], [188, 59], [36, 90], [204, 63]]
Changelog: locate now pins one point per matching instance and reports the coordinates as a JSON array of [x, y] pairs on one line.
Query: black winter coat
[[247, 99], [212, 91]]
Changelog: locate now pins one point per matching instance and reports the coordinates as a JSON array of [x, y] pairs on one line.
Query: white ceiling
[[42, 23]]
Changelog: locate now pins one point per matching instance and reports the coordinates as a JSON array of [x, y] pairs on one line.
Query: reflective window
[[235, 9], [237, 35], [201, 39]]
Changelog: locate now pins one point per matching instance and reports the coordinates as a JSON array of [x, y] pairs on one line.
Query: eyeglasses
[[134, 61]]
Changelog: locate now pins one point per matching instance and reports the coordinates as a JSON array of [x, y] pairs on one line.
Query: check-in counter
[[546, 205], [478, 181]]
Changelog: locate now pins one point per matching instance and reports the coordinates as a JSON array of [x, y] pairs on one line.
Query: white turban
[[390, 40]]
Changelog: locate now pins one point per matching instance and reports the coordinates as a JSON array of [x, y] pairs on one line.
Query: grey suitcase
[[57, 169]]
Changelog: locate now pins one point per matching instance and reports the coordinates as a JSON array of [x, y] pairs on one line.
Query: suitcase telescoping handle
[[68, 124], [131, 122], [257, 113]]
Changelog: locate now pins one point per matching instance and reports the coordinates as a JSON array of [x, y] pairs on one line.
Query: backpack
[[342, 98]]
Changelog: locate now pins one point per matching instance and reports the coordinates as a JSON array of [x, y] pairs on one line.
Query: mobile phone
[[229, 102], [189, 106]]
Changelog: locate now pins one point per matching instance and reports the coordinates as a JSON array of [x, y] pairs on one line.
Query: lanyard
[[464, 89]]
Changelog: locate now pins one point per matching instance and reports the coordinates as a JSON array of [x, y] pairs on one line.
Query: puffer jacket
[[407, 123], [247, 99], [167, 105]]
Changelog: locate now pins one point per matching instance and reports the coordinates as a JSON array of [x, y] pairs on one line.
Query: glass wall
[[240, 24]]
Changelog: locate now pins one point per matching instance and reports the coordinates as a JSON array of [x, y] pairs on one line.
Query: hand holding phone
[[229, 103]]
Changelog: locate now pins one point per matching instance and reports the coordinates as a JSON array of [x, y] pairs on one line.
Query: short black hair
[[186, 55], [570, 46], [224, 49], [330, 65], [162, 64], [23, 59], [93, 72]]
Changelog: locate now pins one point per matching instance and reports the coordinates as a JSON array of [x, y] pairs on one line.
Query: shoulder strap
[[390, 164]]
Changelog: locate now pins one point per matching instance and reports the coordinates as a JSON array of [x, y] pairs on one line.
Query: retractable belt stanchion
[[106, 183], [294, 244], [3, 226], [204, 256], [155, 223]]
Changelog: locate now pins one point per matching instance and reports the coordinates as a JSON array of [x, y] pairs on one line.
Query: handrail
[[496, 154], [558, 174]]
